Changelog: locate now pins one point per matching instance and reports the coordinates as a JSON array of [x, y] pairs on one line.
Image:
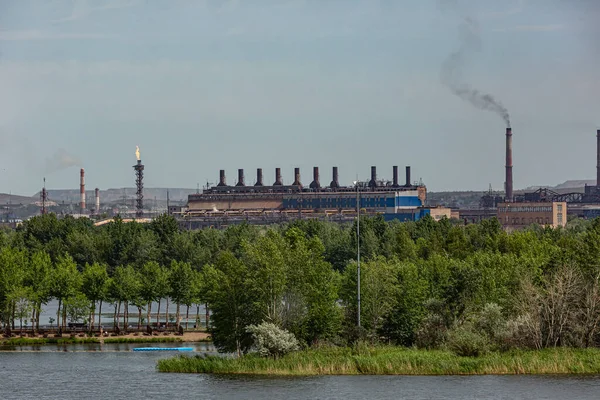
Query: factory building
[[225, 204], [514, 216]]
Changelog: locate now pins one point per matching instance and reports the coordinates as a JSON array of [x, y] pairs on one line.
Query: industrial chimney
[[509, 166], [222, 178], [278, 181], [240, 178], [408, 182], [395, 176], [259, 177], [373, 181], [315, 184], [82, 191], [97, 193], [335, 183], [297, 177], [598, 158]]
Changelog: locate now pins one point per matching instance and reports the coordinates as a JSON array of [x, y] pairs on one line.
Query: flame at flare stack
[[137, 153]]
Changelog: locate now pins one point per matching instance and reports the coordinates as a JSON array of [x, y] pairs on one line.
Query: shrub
[[434, 326], [272, 341], [491, 322], [465, 342]]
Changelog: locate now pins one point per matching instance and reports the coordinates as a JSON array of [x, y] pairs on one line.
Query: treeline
[[429, 284]]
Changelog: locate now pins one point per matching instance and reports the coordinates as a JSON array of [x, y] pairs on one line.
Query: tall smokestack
[[373, 181], [408, 182], [315, 184], [97, 193], [395, 175], [259, 178], [240, 178], [82, 191], [335, 183], [222, 181], [297, 177], [598, 158], [278, 181], [509, 166]]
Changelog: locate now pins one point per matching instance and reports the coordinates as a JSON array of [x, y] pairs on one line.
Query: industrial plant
[[262, 203]]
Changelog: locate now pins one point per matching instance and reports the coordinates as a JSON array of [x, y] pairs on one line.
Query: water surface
[[116, 372]]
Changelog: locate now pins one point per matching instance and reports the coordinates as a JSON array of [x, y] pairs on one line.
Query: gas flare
[[137, 152]]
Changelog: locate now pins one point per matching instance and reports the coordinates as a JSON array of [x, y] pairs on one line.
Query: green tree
[[38, 279], [124, 289], [13, 266], [65, 283], [95, 288], [181, 282], [378, 293], [226, 292]]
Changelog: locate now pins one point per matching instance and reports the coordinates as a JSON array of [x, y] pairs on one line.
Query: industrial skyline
[[346, 83]]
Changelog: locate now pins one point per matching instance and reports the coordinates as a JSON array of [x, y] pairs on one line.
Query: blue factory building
[[261, 203]]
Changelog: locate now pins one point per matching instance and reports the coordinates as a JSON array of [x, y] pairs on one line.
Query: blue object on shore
[[163, 349]]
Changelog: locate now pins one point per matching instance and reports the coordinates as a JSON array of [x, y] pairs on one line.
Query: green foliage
[[77, 307], [392, 361], [272, 341], [422, 283], [466, 342]]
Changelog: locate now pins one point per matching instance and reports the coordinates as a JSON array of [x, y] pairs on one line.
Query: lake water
[[116, 372]]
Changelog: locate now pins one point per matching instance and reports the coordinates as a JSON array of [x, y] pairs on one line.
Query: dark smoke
[[452, 72]]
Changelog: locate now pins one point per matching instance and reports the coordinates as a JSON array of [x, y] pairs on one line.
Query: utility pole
[[358, 249]]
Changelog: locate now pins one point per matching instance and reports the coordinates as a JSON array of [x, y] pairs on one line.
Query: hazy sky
[[215, 84]]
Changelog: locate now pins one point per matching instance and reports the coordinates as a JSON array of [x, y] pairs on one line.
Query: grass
[[38, 341], [143, 340], [393, 361], [68, 340]]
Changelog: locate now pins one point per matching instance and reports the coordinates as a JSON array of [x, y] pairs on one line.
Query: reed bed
[[143, 340], [40, 341], [393, 361]]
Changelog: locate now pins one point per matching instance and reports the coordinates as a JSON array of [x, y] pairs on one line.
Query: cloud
[[517, 9], [41, 35], [532, 28], [83, 8]]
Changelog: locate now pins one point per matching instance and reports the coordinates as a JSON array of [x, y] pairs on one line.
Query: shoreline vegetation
[[388, 360], [191, 337]]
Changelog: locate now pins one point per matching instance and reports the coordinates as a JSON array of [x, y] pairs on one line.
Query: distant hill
[[15, 199], [117, 195]]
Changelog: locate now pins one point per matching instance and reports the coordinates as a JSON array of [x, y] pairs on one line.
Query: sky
[[204, 85]]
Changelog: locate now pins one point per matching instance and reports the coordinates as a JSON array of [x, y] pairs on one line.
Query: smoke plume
[[61, 160], [452, 69]]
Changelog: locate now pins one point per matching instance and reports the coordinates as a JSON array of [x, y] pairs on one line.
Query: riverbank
[[394, 361], [187, 337]]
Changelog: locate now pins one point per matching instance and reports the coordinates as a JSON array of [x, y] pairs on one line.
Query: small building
[[520, 215], [415, 214]]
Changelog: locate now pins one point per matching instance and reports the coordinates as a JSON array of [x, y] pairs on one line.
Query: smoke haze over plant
[[60, 160], [452, 71]]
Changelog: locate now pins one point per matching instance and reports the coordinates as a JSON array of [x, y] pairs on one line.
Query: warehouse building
[[514, 216]]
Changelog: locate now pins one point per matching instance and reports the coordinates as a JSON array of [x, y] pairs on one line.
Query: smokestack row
[[316, 183]]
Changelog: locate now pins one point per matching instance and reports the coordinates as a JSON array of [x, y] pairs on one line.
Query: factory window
[[547, 220], [560, 218], [523, 221], [559, 207], [531, 220]]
